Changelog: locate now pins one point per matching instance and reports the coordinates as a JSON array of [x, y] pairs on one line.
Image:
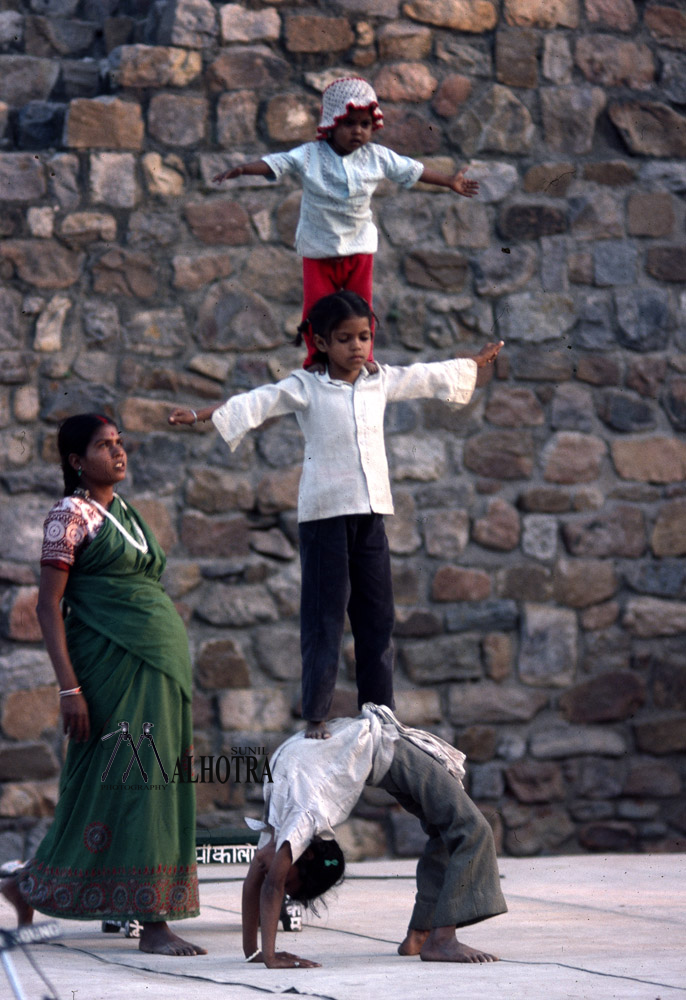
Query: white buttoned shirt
[[335, 213], [345, 469]]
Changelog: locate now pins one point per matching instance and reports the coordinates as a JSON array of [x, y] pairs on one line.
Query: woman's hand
[[73, 707], [286, 960], [75, 718], [488, 354]]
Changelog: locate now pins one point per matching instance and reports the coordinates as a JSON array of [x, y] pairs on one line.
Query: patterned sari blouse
[[70, 526]]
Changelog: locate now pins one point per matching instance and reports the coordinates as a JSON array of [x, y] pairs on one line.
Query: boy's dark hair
[[330, 311], [320, 867], [73, 438]]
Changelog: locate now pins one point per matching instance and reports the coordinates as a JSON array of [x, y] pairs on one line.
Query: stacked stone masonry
[[540, 534]]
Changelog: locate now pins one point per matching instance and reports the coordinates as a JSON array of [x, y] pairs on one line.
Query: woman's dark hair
[[321, 867], [332, 310], [73, 438]]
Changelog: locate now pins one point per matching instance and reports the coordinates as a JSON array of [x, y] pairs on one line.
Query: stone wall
[[539, 541]]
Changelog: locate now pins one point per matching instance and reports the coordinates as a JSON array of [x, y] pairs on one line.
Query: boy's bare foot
[[442, 946], [317, 731], [158, 939], [413, 942], [9, 887]]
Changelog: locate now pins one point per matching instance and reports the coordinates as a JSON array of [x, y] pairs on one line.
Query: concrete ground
[[602, 928]]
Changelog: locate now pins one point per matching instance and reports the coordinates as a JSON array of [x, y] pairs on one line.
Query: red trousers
[[332, 274]]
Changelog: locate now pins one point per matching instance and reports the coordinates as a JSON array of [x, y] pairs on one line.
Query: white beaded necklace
[[141, 544]]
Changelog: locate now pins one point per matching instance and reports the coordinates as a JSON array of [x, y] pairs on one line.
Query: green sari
[[122, 850]]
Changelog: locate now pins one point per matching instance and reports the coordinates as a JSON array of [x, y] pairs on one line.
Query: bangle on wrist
[[195, 416], [254, 955], [66, 693]]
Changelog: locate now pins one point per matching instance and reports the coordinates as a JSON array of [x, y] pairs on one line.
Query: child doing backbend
[[315, 789], [336, 236], [344, 490]]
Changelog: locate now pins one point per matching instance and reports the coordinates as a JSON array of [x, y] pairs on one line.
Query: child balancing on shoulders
[[336, 236], [344, 490]]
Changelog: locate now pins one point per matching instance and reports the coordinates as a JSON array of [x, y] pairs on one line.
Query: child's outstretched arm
[[458, 183], [452, 381], [188, 416], [248, 410], [487, 354], [256, 168]]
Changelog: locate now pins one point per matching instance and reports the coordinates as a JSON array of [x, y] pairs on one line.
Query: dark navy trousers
[[346, 566]]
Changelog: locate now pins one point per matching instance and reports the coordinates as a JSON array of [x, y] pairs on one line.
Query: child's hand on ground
[[286, 960], [488, 354], [228, 175], [463, 185]]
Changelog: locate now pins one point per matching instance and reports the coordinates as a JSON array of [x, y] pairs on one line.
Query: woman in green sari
[[122, 844]]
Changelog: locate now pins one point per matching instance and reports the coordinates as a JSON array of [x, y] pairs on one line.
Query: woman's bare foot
[[317, 731], [442, 946], [158, 939], [9, 887], [413, 942]]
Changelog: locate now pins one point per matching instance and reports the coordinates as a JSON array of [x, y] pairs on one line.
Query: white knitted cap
[[343, 95]]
